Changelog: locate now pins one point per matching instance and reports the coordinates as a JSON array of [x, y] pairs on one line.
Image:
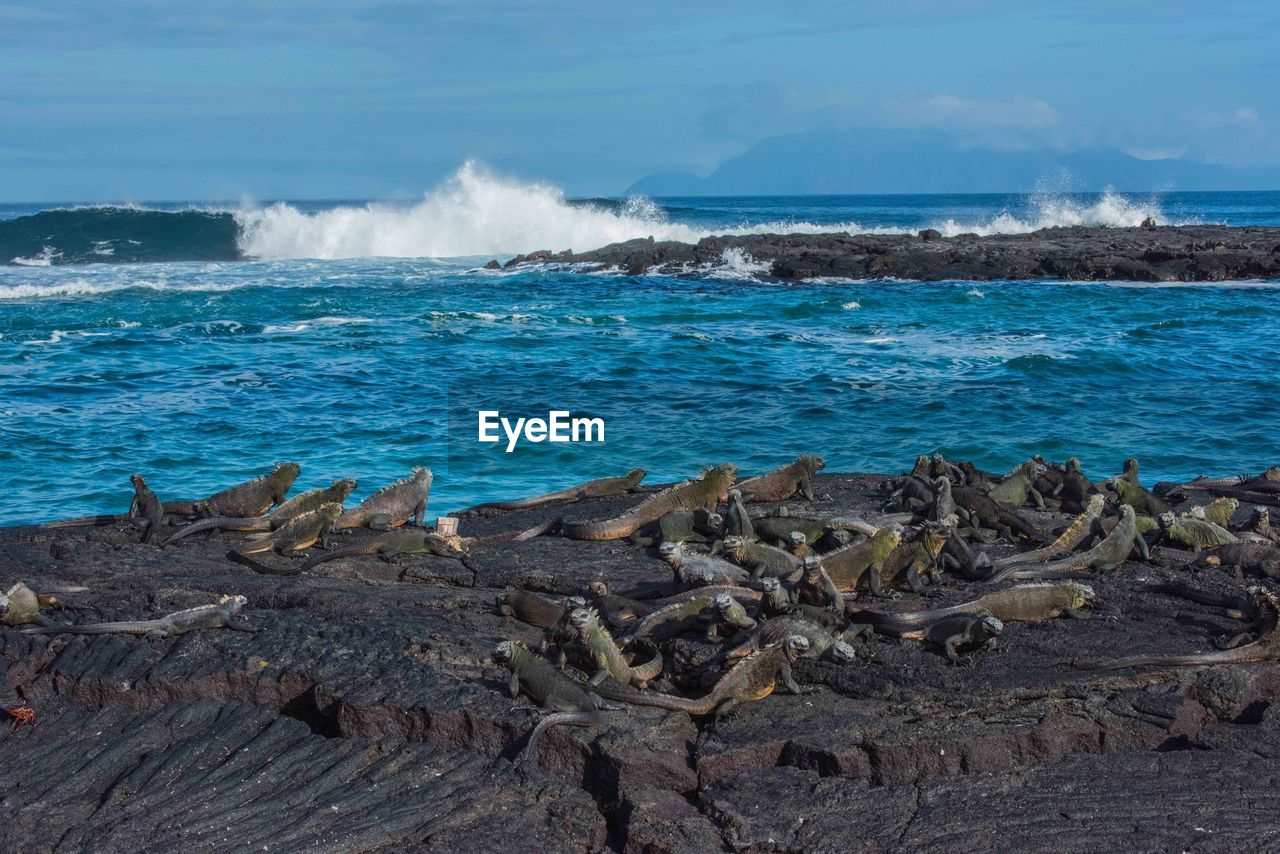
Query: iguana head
[[842, 653], [797, 539], [1131, 466], [138, 481], [921, 467], [583, 619], [421, 475], [1081, 595], [813, 463], [599, 588], [770, 585], [812, 567], [795, 646], [842, 537], [344, 487], [504, 652], [670, 552], [330, 511], [1073, 465], [735, 544], [1260, 518], [1166, 520], [636, 475], [233, 603], [288, 471], [724, 602], [992, 626], [942, 483], [721, 478]]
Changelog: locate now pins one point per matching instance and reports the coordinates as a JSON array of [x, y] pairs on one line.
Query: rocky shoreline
[[1189, 253], [365, 713]]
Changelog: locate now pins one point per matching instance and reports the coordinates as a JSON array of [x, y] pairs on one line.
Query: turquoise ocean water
[[199, 344]]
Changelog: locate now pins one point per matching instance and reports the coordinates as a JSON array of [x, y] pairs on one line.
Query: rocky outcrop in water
[[1193, 253], [365, 714]]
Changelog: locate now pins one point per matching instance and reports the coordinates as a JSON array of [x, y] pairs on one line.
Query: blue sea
[[200, 343]]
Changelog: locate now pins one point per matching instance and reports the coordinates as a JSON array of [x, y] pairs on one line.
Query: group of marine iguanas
[[768, 587]]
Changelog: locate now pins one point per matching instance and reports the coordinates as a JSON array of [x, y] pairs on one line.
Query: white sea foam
[[852, 305], [304, 325], [476, 213], [44, 259]]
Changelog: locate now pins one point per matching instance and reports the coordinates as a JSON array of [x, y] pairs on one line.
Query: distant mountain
[[879, 161]]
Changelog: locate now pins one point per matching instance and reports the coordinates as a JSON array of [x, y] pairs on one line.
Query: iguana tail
[[894, 625], [224, 523], [1203, 597], [1052, 569], [652, 668], [534, 501], [137, 627], [87, 521], [606, 529], [245, 560], [336, 554], [704, 706], [566, 718], [1224, 656], [1017, 523]]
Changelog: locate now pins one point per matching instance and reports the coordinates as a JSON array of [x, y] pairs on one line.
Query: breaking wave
[[472, 214]]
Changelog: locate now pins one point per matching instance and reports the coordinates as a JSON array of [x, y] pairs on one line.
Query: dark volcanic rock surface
[[365, 715], [1190, 253]]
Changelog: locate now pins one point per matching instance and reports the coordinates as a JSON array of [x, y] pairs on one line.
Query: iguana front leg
[[1076, 613], [951, 648], [806, 489], [788, 681], [419, 512], [513, 685], [240, 624]]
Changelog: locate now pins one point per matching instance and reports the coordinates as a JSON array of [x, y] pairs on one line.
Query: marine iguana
[[914, 494], [1191, 532], [1076, 488], [393, 505], [729, 618], [1268, 481], [777, 528], [1253, 558], [389, 544], [692, 569], [960, 634], [225, 614], [752, 678], [1259, 523], [822, 643], [20, 605], [915, 561], [687, 526], [145, 512], [1265, 648], [850, 564], [298, 533], [762, 559], [1108, 554], [1219, 511], [568, 700], [1014, 489], [603, 487], [711, 488], [620, 611], [738, 522], [605, 655], [1025, 603], [798, 545], [677, 616], [529, 607], [252, 498], [304, 502], [1135, 496], [986, 512], [816, 588], [782, 483], [1075, 534]]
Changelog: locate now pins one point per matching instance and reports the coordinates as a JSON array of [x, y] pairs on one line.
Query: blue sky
[[280, 99]]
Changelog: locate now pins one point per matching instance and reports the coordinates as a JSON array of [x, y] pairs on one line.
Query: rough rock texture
[[365, 715], [1192, 253]]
